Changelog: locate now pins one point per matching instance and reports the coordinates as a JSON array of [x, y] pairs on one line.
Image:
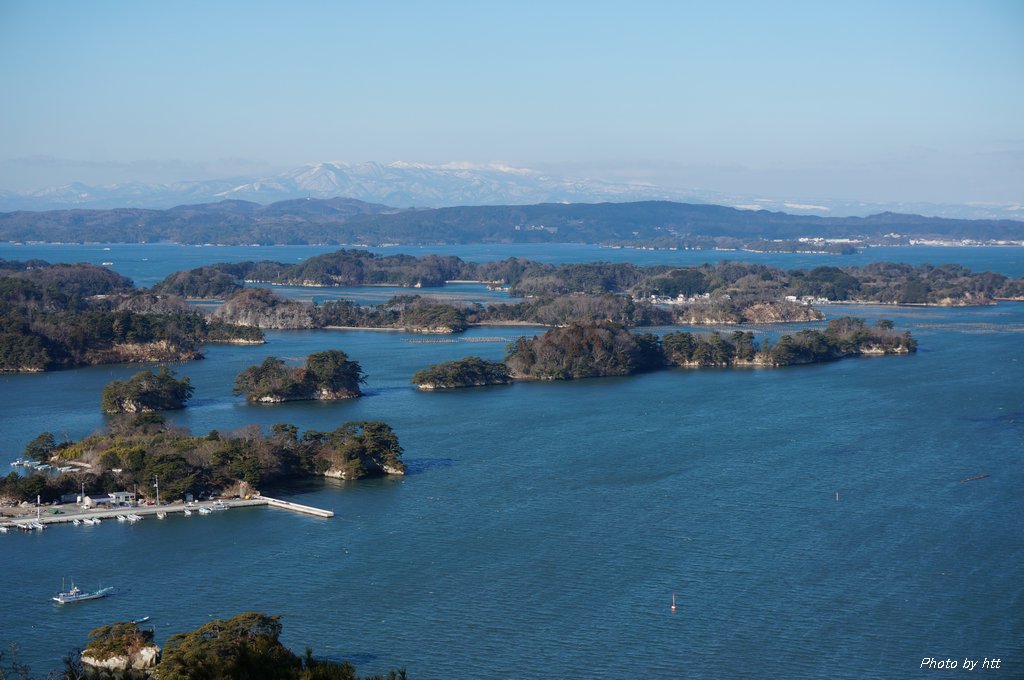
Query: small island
[[590, 350], [147, 391], [584, 350], [843, 337], [468, 372], [326, 376], [247, 645], [137, 448]]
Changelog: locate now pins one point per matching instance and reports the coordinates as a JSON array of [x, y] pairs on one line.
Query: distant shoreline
[[624, 246]]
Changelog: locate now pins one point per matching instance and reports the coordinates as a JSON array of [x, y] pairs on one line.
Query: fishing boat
[[3, 530], [122, 518], [75, 594], [205, 511], [188, 513], [219, 505], [134, 518], [142, 620], [77, 522]]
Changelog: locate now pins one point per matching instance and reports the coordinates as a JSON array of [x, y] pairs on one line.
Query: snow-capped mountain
[[398, 184], [401, 184], [404, 184]]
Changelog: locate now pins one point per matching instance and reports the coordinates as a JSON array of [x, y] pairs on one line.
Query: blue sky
[[879, 101]]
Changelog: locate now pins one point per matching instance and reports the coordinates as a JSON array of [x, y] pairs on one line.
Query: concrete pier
[[305, 509], [70, 513]]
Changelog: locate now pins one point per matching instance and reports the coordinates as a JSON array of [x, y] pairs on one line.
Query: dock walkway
[[148, 510]]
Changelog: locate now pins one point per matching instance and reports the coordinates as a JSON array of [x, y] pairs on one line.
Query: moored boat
[[76, 594]]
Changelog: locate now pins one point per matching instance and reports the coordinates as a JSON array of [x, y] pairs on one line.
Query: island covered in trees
[[136, 448], [728, 292], [468, 372], [61, 316], [246, 646], [596, 349], [327, 375], [883, 282], [58, 316], [147, 391]]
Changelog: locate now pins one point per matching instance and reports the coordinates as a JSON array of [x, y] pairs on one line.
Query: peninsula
[[61, 316]]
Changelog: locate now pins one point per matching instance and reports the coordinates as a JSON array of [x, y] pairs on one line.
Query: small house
[[122, 498]]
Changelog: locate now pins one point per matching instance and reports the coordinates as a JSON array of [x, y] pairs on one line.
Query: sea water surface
[[148, 263], [543, 527]]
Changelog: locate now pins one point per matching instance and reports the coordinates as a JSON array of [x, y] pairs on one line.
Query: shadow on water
[[356, 658], [1016, 418], [418, 466]]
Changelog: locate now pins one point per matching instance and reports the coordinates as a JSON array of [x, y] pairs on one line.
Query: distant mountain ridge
[[442, 185], [341, 221], [399, 184]]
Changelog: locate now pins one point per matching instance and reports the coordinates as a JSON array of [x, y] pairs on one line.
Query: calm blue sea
[[543, 528], [147, 264]]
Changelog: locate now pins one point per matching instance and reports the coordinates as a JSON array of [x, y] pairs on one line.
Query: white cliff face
[[142, 660], [338, 473]]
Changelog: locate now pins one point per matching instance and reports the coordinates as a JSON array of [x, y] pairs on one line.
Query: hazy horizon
[[913, 102]]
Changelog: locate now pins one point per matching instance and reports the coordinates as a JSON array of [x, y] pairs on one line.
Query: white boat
[[134, 518], [77, 522], [90, 521], [219, 505], [122, 518], [161, 515], [205, 511], [76, 595], [188, 513], [3, 530]]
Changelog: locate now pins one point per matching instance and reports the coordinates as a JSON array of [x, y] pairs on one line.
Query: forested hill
[[347, 221]]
